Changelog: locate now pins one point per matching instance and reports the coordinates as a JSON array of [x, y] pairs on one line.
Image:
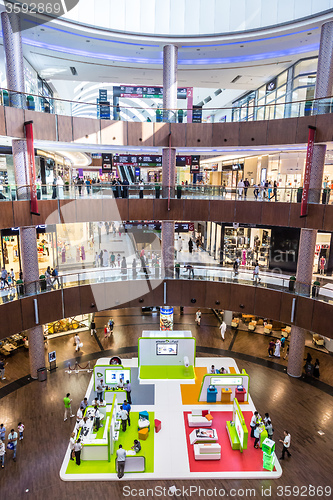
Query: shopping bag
[[80, 345], [10, 446]]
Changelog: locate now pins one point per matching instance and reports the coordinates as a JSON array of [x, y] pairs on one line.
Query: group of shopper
[[12, 439]]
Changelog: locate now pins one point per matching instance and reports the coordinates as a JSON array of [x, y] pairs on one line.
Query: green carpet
[[126, 439], [166, 372]]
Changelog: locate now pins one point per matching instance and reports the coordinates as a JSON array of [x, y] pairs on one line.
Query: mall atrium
[[166, 223]]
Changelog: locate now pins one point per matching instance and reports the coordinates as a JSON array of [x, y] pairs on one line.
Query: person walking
[[128, 390], [198, 317], [100, 391], [236, 266], [68, 406], [12, 442], [316, 373], [287, 352], [20, 428], [97, 417], [246, 187], [256, 274], [127, 407], [271, 346], [92, 327], [2, 432], [71, 446], [2, 453], [286, 445], [223, 328], [177, 270], [112, 260], [124, 417], [190, 245], [79, 414], [277, 348], [77, 451], [256, 435], [2, 369], [121, 459], [77, 342]]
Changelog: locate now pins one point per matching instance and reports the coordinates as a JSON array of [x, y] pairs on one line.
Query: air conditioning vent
[[218, 92], [207, 99], [236, 78], [73, 70]]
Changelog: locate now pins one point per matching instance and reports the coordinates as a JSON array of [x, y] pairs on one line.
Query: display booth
[[170, 355], [224, 388], [114, 378], [237, 430]]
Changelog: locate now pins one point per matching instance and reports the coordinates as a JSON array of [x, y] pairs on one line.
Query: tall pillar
[[317, 173], [324, 79], [170, 64], [12, 41], [170, 55], [28, 239], [296, 351], [306, 252]]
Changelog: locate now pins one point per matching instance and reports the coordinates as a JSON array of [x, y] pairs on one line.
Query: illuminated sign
[[223, 380]]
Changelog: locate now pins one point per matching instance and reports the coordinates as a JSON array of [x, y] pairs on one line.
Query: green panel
[[233, 436], [172, 338], [166, 372], [126, 439]]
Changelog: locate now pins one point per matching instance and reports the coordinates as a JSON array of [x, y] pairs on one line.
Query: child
[[106, 331], [20, 429]]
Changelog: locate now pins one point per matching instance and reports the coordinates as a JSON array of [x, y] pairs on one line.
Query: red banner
[[307, 173], [29, 134]]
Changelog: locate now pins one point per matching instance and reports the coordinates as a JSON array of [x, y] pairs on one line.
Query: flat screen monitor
[[112, 377], [52, 356], [166, 349]]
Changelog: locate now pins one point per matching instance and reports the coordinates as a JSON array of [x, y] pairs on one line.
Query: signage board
[[106, 162], [133, 92], [197, 114], [226, 381]]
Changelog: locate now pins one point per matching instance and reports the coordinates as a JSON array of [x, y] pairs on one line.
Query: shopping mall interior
[[166, 226]]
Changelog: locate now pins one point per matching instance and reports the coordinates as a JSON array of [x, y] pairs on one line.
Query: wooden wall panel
[[242, 299], [328, 218], [302, 132], [68, 211], [304, 312], [282, 131], [150, 297], [22, 216], [28, 313], [315, 218], [11, 318], [89, 210], [2, 121], [275, 213], [253, 133], [140, 133], [65, 128], [322, 319], [196, 210], [120, 294], [86, 130], [294, 218], [14, 122], [176, 211], [141, 209], [324, 132], [199, 134], [178, 135], [222, 210], [161, 134], [7, 215], [49, 306], [161, 209], [173, 293], [44, 125], [225, 134], [217, 291], [267, 305], [193, 289], [49, 212], [286, 307], [87, 299], [248, 211], [122, 208], [114, 132], [72, 306]]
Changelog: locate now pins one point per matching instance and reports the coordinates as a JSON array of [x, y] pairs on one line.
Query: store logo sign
[[34, 13]]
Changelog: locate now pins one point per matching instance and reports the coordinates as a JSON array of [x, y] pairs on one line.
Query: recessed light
[[88, 41], [198, 50], [309, 33], [42, 29], [241, 45], [141, 48]]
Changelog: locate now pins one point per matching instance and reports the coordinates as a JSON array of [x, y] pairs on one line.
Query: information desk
[[225, 395], [240, 395], [232, 382]]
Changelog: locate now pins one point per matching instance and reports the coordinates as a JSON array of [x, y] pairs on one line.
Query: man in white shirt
[[253, 422], [79, 414], [121, 459], [223, 329], [286, 445], [100, 390], [97, 417], [212, 369], [77, 451], [124, 417], [12, 438]]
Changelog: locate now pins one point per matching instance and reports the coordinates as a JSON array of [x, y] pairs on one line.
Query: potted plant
[[315, 289], [292, 281]]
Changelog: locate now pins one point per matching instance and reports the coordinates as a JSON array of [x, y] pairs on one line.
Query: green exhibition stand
[[234, 441]]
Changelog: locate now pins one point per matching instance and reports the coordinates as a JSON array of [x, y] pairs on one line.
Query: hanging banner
[[29, 134], [308, 164]]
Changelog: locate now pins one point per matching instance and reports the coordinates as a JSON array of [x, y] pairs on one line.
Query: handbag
[[10, 446], [80, 345]]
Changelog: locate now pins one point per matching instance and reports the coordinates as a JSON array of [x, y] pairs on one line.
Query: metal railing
[[54, 105], [269, 280], [190, 191]]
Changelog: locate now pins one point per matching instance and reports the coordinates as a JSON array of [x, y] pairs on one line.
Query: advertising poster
[[166, 318]]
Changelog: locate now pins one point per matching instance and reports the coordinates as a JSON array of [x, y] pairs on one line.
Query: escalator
[[122, 173], [130, 174]]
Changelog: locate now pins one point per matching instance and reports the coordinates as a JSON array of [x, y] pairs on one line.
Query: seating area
[[200, 418], [207, 451]]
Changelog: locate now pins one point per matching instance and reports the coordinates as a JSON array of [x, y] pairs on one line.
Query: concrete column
[[296, 351], [12, 41], [21, 171], [168, 248], [170, 64], [227, 317], [324, 79], [306, 252]]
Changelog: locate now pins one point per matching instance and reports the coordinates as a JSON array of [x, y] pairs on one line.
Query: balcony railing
[[11, 192], [148, 113], [268, 280]]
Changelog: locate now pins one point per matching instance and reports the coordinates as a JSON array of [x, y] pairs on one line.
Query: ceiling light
[[73, 70]]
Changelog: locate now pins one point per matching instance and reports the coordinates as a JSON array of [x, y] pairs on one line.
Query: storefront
[[232, 173]]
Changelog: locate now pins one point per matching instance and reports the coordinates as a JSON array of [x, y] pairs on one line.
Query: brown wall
[[93, 131], [276, 305], [16, 213]]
